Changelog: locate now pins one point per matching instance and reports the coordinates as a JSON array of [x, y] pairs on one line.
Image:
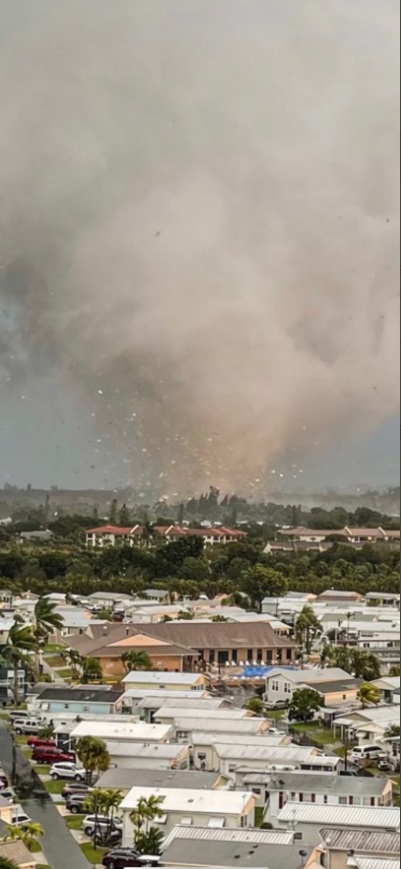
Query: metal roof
[[187, 701], [199, 737], [257, 836], [187, 711], [318, 783], [125, 779], [215, 725], [366, 863], [164, 750], [279, 754], [155, 677], [361, 841], [108, 730], [343, 816]]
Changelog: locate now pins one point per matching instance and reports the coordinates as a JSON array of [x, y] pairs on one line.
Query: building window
[[275, 685], [249, 655], [289, 654], [287, 687], [343, 801], [259, 655], [212, 655], [313, 798], [269, 656], [325, 799], [234, 655]]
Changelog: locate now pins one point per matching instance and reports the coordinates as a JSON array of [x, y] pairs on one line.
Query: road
[[60, 849]]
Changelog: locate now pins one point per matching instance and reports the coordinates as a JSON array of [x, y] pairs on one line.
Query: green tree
[[7, 864], [104, 801], [365, 665], [75, 661], [368, 695], [92, 671], [259, 582], [125, 517], [395, 670], [219, 619], [307, 627], [305, 702], [21, 643], [136, 660], [255, 705], [46, 621], [393, 731], [185, 616], [29, 834], [94, 755], [149, 842], [147, 810]]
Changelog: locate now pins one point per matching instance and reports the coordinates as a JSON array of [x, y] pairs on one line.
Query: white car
[[67, 770], [19, 818], [102, 822]]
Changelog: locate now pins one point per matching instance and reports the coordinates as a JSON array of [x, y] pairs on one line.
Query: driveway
[[59, 846]]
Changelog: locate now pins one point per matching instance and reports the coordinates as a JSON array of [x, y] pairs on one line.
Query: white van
[[27, 726], [367, 752]]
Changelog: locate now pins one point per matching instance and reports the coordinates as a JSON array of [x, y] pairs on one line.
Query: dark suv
[[76, 803], [121, 858]]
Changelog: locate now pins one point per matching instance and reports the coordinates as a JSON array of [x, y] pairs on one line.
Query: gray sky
[[198, 243]]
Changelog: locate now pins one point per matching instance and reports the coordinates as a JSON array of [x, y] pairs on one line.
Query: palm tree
[[75, 661], [393, 731], [150, 842], [255, 705], [94, 755], [369, 695], [365, 665], [136, 660], [46, 621], [7, 864], [21, 641], [29, 834], [147, 810], [91, 671], [306, 628]]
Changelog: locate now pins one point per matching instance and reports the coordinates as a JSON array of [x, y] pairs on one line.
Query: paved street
[[60, 848]]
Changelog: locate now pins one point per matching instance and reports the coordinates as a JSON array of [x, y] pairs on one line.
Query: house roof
[[109, 730], [268, 753], [82, 695], [151, 751], [185, 710], [206, 846], [309, 677], [170, 678], [361, 841], [208, 802], [200, 737], [125, 779], [17, 853], [367, 863], [220, 635], [311, 783], [342, 816], [241, 726], [337, 686], [189, 702]]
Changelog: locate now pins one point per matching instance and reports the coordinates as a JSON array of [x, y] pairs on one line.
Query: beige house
[[367, 844], [207, 808]]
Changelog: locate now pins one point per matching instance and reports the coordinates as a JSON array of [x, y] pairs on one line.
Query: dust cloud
[[199, 225]]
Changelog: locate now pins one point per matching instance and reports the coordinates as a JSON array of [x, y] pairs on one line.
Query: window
[[275, 685], [325, 799], [249, 655], [289, 654], [259, 655], [313, 798], [232, 767], [234, 655], [201, 755], [287, 687], [343, 801], [66, 705], [212, 655], [269, 656]]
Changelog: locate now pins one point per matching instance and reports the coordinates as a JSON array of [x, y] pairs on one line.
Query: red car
[[36, 741], [52, 755]]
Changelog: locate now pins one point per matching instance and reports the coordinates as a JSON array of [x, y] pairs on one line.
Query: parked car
[[120, 858], [19, 818], [368, 752], [76, 803], [388, 764], [277, 704], [75, 789], [19, 713], [67, 769], [34, 741], [27, 725], [41, 754], [102, 822]]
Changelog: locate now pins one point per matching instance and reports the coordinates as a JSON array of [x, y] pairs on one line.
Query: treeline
[[185, 567]]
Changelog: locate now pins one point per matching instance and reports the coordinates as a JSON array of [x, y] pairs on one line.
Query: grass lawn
[[325, 737], [54, 787], [341, 752], [55, 661], [65, 673], [91, 855], [22, 740], [276, 714], [42, 769], [259, 811], [74, 822]]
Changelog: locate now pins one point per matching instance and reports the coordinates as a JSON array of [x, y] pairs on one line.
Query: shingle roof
[[81, 695]]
